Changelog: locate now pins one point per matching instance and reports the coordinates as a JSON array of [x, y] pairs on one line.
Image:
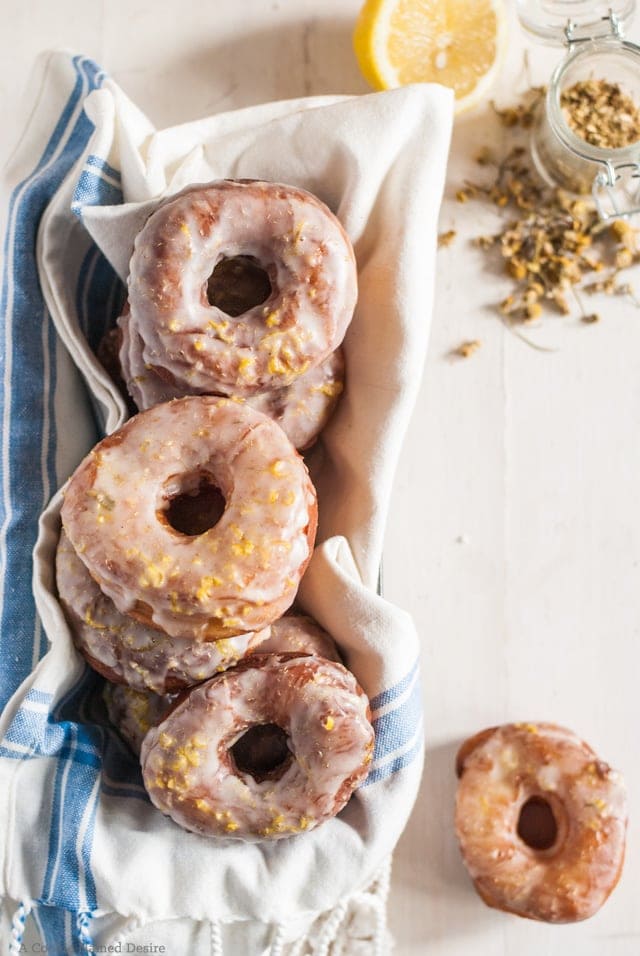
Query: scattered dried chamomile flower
[[467, 349], [551, 241], [525, 112], [484, 156], [446, 238]]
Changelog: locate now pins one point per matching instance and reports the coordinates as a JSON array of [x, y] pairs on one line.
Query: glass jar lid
[[550, 20]]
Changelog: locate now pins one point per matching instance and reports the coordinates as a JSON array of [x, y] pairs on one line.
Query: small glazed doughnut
[[125, 651], [134, 712], [236, 575], [297, 633], [271, 748], [541, 821], [302, 409], [281, 232]]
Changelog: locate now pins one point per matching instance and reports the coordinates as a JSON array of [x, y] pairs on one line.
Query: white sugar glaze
[[239, 575], [300, 634], [123, 649], [298, 242], [302, 409], [134, 712], [190, 774]]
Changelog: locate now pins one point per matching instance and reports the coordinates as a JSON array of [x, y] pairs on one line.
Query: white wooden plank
[[516, 506]]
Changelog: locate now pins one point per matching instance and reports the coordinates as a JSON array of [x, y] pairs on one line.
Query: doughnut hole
[[262, 752], [237, 284], [538, 826], [195, 507]]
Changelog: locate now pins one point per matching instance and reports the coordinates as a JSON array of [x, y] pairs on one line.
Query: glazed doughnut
[[297, 633], [302, 409], [541, 821], [286, 235], [134, 712], [237, 575], [270, 748], [125, 651]]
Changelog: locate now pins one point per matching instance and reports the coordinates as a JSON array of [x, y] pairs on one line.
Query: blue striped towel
[[86, 851]]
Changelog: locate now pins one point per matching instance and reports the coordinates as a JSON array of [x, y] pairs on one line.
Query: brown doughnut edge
[[172, 685], [471, 744]]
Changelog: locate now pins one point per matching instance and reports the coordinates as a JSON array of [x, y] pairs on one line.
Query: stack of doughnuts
[[245, 289], [272, 747], [185, 533], [134, 709]]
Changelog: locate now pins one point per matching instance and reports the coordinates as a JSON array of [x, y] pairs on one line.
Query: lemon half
[[459, 43]]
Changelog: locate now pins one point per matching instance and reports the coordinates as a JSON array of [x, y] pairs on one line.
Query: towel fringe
[[330, 934], [215, 938], [17, 926], [329, 931], [83, 920], [297, 948], [277, 943]]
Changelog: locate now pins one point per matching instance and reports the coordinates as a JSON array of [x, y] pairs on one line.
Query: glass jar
[[595, 50], [548, 20]]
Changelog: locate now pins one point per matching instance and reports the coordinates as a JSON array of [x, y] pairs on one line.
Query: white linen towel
[[87, 853]]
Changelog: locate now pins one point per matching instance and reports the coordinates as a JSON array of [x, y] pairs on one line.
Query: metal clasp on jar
[[609, 186], [576, 34]]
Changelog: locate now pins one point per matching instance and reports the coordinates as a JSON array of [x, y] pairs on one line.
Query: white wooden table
[[514, 534]]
